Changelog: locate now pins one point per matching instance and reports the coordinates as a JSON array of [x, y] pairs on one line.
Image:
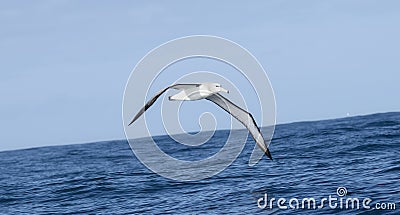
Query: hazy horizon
[[279, 124]]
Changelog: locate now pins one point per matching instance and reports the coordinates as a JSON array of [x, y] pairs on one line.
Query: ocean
[[355, 155]]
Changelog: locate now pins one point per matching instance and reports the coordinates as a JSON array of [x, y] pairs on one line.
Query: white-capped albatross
[[210, 91]]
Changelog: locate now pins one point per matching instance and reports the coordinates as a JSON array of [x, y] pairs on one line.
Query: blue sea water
[[311, 160]]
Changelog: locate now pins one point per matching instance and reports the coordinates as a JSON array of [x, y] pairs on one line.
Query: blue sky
[[64, 64]]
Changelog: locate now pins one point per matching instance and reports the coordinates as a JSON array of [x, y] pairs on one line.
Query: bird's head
[[216, 87]]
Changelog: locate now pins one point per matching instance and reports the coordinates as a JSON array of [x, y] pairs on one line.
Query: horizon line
[[158, 135]]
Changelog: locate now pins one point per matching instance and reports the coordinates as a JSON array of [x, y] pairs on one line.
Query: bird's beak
[[224, 90]]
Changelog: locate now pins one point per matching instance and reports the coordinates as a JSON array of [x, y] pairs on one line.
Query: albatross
[[210, 91]]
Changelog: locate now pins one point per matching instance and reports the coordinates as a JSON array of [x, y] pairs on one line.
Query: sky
[[64, 64]]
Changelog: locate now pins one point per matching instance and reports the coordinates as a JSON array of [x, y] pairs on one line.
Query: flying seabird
[[210, 91]]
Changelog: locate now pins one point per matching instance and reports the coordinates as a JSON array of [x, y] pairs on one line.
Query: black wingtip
[[131, 122], [268, 154]]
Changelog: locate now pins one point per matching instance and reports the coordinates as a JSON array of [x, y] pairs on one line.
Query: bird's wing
[[152, 100], [184, 86], [148, 104], [244, 117]]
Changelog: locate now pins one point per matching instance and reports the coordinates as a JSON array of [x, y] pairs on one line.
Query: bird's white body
[[202, 91]]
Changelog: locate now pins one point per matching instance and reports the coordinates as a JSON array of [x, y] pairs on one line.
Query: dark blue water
[[311, 160]]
